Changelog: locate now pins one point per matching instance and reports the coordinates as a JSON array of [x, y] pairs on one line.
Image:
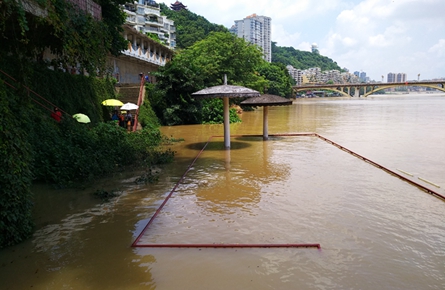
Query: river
[[376, 231]]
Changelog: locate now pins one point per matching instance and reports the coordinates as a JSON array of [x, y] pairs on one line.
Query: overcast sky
[[373, 36]]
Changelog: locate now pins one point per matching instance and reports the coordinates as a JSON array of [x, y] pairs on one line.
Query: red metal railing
[[140, 99]]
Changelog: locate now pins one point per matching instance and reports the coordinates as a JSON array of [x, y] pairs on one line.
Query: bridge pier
[[357, 92]]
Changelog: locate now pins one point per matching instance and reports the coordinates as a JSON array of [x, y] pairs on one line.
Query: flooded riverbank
[[375, 230]]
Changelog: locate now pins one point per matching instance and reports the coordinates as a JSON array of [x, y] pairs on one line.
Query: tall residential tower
[[255, 29]]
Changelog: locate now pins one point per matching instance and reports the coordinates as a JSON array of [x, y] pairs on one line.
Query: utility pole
[[382, 78], [418, 77]]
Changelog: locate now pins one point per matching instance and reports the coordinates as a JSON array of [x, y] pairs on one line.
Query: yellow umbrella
[[112, 102]]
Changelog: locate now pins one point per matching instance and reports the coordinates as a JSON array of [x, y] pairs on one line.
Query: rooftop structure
[[314, 48], [178, 6]]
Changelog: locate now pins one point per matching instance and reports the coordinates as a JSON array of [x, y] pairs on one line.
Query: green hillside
[[301, 59], [190, 27]]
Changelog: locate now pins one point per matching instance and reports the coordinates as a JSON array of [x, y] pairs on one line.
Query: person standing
[[129, 120], [56, 114], [121, 120]]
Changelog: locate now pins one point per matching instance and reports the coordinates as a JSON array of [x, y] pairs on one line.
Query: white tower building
[[255, 29]]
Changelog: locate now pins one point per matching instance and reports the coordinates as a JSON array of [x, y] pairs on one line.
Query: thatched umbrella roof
[[225, 92], [265, 101]]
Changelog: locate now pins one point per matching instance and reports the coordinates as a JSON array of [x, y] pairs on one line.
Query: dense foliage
[[190, 27], [204, 64], [15, 170], [301, 59], [73, 36], [278, 78], [34, 147]]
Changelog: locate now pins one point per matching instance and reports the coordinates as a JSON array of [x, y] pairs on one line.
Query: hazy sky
[[374, 36]]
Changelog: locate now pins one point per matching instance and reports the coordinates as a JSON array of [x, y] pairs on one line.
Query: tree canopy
[[279, 82], [190, 27], [204, 64]]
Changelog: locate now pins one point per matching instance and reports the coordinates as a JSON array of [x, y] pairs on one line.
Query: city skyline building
[[401, 77], [257, 30], [396, 77], [391, 78], [315, 75]]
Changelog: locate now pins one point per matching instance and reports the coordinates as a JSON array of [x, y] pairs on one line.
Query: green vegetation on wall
[[73, 36], [35, 147], [15, 169]]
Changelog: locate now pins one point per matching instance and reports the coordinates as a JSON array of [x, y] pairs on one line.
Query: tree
[[279, 82], [202, 65], [190, 27]]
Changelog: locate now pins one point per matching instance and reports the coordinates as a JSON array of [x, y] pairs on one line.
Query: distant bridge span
[[373, 87]]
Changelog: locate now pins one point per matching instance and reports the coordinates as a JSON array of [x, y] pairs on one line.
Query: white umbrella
[[129, 106]]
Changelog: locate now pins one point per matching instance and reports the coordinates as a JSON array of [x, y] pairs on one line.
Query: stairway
[[128, 93]]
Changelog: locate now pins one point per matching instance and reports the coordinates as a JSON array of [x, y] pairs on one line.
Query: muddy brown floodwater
[[376, 231]]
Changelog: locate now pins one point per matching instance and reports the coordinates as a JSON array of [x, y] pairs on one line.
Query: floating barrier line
[[426, 189], [427, 181], [168, 196], [407, 173], [230, 246], [136, 241]]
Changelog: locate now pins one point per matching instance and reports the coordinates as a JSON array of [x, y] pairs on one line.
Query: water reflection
[[237, 178]]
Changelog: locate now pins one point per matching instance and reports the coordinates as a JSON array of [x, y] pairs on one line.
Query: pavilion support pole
[[226, 123], [265, 113]]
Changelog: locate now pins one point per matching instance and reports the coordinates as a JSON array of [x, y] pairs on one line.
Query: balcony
[[152, 29]]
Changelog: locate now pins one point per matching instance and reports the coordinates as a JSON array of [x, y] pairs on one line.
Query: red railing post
[[140, 99]]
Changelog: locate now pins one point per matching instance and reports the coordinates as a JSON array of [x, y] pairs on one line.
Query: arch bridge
[[369, 88]]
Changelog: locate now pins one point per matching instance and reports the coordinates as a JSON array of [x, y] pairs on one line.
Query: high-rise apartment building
[[391, 78], [401, 77], [396, 78], [145, 16], [255, 29]]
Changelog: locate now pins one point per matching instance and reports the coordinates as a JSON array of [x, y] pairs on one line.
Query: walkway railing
[[37, 100], [140, 100]]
